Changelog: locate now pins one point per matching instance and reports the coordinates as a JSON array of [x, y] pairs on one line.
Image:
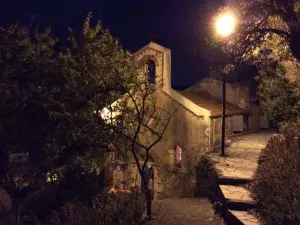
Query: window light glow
[[108, 114]]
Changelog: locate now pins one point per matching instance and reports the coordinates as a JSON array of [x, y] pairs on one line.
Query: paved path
[[243, 155], [186, 211], [240, 165]]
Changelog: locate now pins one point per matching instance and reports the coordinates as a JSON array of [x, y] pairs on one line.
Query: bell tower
[[156, 60]]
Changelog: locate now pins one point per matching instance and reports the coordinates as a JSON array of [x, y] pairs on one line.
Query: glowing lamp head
[[225, 24]]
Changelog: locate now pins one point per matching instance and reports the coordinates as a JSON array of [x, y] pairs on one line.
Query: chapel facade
[[194, 130]]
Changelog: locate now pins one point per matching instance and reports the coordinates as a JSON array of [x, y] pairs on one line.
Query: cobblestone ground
[[243, 155], [241, 163], [187, 211]]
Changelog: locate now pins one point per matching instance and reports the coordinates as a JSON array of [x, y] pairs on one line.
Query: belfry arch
[[157, 63], [150, 71]]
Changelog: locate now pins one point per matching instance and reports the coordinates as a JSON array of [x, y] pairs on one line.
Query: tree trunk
[[148, 193], [149, 204]]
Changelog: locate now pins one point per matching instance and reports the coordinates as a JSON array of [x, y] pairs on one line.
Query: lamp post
[[225, 26], [223, 114]]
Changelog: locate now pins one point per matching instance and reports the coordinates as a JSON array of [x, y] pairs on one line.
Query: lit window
[[178, 156]]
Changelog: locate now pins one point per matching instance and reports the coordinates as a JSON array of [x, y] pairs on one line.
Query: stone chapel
[[194, 130]]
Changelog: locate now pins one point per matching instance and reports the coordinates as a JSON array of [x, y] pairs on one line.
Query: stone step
[[240, 218], [227, 180], [240, 205], [237, 198]]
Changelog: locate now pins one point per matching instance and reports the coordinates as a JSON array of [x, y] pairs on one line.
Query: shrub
[[206, 179], [14, 218], [110, 209], [276, 186]]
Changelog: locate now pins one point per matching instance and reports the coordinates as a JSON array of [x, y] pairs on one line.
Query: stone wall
[[216, 130], [190, 133], [187, 129], [254, 117], [181, 182], [235, 93]]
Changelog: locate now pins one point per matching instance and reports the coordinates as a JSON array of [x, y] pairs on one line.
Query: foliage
[[278, 96], [112, 209], [140, 121], [261, 20], [206, 179], [276, 184], [75, 186], [5, 201], [49, 94], [121, 208], [265, 30], [53, 99], [267, 33]]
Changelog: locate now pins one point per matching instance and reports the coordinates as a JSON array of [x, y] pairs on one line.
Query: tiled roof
[[206, 101]]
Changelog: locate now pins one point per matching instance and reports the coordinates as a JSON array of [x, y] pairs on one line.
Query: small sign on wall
[[178, 155]]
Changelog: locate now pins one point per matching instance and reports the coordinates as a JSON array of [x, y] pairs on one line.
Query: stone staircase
[[235, 173], [238, 204]]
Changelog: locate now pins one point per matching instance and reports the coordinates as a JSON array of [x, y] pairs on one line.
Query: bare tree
[[138, 121]]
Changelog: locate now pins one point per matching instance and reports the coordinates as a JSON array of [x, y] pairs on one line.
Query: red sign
[[178, 152]]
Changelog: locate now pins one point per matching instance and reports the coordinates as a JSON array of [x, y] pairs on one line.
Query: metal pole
[[223, 113]]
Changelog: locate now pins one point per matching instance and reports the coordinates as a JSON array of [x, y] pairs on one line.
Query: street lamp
[[225, 26]]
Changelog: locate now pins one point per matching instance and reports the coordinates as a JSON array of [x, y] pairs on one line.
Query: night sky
[[171, 23]]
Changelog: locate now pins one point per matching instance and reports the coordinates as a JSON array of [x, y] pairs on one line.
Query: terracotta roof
[[205, 100]]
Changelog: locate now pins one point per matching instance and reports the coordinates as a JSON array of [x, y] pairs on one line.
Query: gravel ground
[[188, 211]]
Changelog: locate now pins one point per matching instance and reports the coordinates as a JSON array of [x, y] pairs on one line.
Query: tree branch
[[269, 30]]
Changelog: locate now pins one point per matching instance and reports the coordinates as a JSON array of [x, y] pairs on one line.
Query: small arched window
[[150, 70], [178, 156]]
